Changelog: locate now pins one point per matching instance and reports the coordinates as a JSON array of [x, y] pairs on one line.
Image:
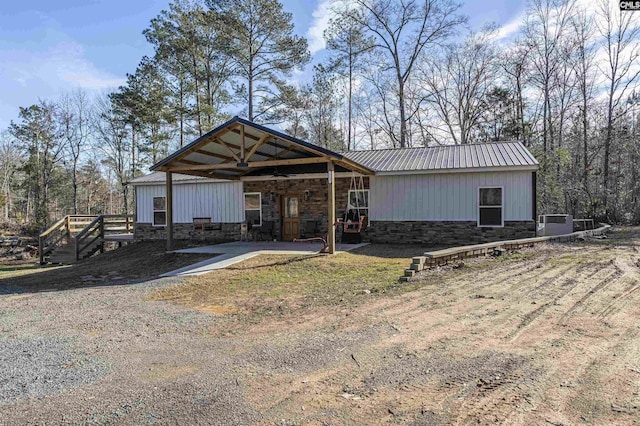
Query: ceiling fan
[[276, 172]]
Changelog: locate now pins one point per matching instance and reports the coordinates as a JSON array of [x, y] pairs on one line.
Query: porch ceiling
[[240, 147]]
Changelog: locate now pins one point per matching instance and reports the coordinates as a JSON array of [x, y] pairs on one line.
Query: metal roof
[[446, 157]]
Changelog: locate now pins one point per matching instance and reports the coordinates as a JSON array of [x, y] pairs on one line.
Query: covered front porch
[[291, 189]]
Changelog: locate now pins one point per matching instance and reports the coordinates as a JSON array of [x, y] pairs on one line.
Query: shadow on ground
[[134, 263]]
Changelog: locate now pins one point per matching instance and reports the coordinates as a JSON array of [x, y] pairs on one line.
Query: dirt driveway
[[545, 336]]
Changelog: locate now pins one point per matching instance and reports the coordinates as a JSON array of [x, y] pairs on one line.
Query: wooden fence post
[[101, 234], [41, 249]]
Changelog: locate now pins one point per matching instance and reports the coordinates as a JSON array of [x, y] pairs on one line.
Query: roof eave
[[531, 168], [318, 150]]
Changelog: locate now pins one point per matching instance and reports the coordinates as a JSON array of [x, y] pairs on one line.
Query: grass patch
[[568, 258], [11, 271], [266, 280], [514, 256]]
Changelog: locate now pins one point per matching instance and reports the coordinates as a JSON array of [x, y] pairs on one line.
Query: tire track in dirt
[[541, 267], [455, 288], [608, 280], [493, 407], [619, 300], [534, 272], [521, 290], [410, 313], [600, 376], [547, 281], [565, 284], [540, 259]]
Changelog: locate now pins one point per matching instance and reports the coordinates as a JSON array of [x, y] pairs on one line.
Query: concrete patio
[[232, 253]]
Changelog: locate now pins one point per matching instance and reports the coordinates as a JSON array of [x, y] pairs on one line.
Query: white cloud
[[28, 75], [68, 62], [315, 33], [510, 28]]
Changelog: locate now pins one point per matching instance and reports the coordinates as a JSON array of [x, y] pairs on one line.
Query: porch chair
[[265, 230], [309, 229]]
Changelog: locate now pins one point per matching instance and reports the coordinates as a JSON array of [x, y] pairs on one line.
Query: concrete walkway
[[231, 253]]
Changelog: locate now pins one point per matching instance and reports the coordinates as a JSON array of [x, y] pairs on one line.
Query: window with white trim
[[253, 208], [490, 206], [159, 211], [358, 201]]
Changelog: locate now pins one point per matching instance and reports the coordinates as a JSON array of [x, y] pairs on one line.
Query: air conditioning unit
[[554, 224]]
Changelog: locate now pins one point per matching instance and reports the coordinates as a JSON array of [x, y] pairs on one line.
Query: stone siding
[[187, 231], [448, 233], [311, 207]]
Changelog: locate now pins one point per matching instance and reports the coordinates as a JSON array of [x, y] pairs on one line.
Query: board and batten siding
[[221, 201], [447, 196]]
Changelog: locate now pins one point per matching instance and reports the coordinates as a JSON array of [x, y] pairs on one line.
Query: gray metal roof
[[446, 157]]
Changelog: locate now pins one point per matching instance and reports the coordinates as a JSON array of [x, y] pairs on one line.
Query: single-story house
[[242, 174]]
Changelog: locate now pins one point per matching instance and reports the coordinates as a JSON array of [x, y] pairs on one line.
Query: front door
[[290, 218]]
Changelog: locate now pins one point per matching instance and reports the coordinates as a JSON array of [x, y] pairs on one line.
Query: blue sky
[[48, 47]]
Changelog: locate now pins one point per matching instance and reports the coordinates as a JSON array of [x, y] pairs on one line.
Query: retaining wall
[[442, 257]]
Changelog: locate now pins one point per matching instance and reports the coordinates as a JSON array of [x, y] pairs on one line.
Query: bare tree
[[322, 108], [346, 38], [583, 27], [381, 114], [73, 114], [459, 81], [514, 64], [403, 31], [10, 160], [112, 142], [620, 70], [545, 27]]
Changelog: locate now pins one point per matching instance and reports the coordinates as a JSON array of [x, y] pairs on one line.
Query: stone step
[[419, 260], [409, 272], [416, 267]]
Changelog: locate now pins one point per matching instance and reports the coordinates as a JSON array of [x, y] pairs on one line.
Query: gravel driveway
[[103, 355]]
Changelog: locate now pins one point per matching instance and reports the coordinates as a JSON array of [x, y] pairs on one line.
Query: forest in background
[[397, 73]]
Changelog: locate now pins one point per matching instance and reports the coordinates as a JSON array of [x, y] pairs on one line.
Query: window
[[291, 207], [253, 208], [490, 206], [358, 201], [159, 211]]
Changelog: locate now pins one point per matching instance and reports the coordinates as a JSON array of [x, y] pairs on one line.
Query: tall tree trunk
[[133, 150], [74, 183], [585, 136], [197, 88], [520, 107], [403, 114], [607, 148], [181, 112], [350, 96], [250, 84]]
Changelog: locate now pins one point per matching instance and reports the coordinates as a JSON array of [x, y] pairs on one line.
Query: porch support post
[[169, 207], [331, 188]]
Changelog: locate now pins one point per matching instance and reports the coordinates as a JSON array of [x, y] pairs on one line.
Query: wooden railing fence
[[87, 232]]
